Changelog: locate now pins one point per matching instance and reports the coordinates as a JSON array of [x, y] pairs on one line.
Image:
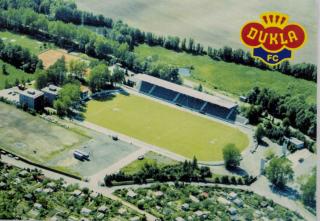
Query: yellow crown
[[274, 19]]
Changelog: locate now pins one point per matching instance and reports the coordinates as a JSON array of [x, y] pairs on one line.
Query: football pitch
[[172, 129]]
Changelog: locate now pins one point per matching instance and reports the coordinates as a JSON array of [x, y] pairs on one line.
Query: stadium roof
[[187, 91]]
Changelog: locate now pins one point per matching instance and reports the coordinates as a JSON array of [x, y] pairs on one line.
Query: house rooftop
[[32, 93], [296, 141], [51, 89], [131, 194], [103, 208]]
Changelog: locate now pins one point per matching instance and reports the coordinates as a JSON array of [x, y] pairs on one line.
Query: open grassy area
[[232, 78], [33, 45], [32, 137], [13, 74], [149, 158], [161, 125]]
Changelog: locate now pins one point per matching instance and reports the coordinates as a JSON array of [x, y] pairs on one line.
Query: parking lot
[[11, 94]]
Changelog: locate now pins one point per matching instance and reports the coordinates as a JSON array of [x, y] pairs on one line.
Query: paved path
[[103, 190], [114, 168]]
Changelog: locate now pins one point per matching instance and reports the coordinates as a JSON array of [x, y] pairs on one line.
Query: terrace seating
[[190, 102], [164, 93], [145, 87], [233, 115], [217, 111]]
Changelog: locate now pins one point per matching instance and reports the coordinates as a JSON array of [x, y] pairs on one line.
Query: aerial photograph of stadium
[[158, 110]]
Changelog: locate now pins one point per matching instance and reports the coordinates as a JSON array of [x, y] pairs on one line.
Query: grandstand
[[186, 97]]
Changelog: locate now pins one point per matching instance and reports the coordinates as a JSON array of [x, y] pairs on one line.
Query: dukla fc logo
[[274, 39]]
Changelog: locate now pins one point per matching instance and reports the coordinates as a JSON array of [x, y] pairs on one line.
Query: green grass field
[[232, 78], [149, 158], [14, 74], [178, 131], [33, 137], [33, 45]]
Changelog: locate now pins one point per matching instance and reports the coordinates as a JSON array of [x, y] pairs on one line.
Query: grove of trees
[[294, 111], [19, 57], [185, 171]]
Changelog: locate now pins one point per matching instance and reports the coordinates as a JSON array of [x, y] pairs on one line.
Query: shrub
[[233, 180], [225, 179]]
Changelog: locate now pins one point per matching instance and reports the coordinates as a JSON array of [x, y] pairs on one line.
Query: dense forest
[[67, 11]]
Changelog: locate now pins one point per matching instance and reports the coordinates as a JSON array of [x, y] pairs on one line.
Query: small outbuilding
[[131, 194], [85, 211], [296, 143], [232, 211], [103, 209]]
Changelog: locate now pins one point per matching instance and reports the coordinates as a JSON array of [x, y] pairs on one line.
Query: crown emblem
[[274, 19]]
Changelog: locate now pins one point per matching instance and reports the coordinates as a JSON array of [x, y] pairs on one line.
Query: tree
[[200, 88], [308, 190], [184, 44], [68, 96], [259, 133], [118, 75], [57, 72], [231, 156], [4, 69], [253, 114], [99, 76], [41, 79], [77, 68], [286, 122], [269, 154], [191, 45], [279, 171]]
